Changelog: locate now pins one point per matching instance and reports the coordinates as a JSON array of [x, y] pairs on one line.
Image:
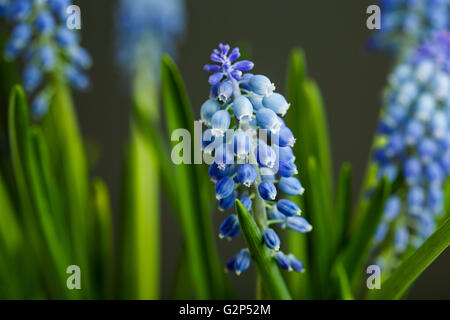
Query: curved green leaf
[[404, 275], [271, 278], [194, 202], [360, 240]]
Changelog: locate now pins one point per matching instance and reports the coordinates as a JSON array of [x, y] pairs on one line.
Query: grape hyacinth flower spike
[[146, 30], [242, 115], [48, 48], [407, 23], [415, 134]]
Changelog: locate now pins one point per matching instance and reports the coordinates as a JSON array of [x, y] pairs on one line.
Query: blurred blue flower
[[416, 144], [146, 29], [48, 48], [407, 23], [252, 151]]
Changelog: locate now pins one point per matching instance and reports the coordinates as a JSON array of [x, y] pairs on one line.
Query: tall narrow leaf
[[104, 253], [361, 239], [140, 252], [192, 191], [404, 275]]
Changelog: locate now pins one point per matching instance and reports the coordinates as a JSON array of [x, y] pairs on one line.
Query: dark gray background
[[333, 35]]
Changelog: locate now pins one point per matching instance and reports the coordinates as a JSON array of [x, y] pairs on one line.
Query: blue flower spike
[[256, 161], [415, 128], [42, 41]]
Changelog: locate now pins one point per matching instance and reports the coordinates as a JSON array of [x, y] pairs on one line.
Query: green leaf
[[307, 120], [11, 247], [345, 289], [67, 155], [410, 269], [343, 206], [361, 239], [272, 280], [27, 155], [194, 203], [140, 222], [104, 254], [322, 233]]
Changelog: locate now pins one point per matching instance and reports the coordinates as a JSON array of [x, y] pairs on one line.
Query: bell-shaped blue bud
[[230, 227], [268, 120], [228, 202], [277, 103], [298, 224], [224, 187], [77, 78], [244, 83], [243, 109], [287, 169], [381, 232], [424, 71], [261, 85], [242, 261], [215, 173], [45, 22], [425, 107], [230, 264], [247, 202], [415, 200], [246, 174], [66, 37], [414, 131], [392, 208], [291, 186], [440, 85], [285, 154], [439, 124], [265, 155], [40, 104], [285, 138], [271, 239], [19, 10], [407, 93], [267, 190], [427, 150], [208, 110], [20, 37], [32, 77], [412, 170], [426, 224], [295, 263], [282, 260], [435, 199], [47, 57], [220, 123], [395, 145], [224, 91], [241, 142], [401, 239], [434, 173], [224, 156], [256, 101], [288, 208]]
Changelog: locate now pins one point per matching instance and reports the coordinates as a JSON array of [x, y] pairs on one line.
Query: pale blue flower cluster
[[406, 23], [146, 30], [47, 47], [243, 109], [415, 127]]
